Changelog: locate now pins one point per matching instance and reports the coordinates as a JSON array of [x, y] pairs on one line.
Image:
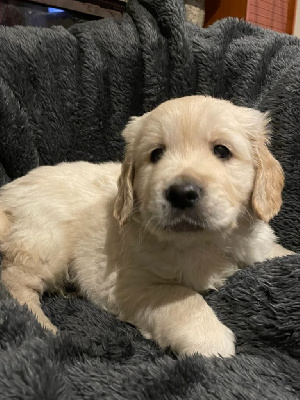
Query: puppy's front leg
[[178, 317], [280, 251]]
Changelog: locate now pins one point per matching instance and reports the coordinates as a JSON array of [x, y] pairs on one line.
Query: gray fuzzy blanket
[[66, 95]]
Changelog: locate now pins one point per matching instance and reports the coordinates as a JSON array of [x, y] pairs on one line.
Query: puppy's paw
[[53, 330], [219, 342], [49, 327]]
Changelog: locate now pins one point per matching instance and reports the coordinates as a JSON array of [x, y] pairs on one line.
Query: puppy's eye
[[222, 152], [157, 154]]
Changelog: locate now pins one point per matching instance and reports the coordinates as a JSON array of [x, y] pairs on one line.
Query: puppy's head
[[198, 163]]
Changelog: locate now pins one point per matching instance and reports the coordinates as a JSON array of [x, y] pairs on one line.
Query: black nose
[[183, 195]]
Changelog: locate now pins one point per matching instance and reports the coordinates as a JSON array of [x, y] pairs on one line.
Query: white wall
[[297, 20]]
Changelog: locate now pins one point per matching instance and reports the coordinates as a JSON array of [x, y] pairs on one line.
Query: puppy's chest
[[194, 267], [207, 271]]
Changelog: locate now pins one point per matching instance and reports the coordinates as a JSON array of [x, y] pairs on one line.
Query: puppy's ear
[[124, 201], [269, 179]]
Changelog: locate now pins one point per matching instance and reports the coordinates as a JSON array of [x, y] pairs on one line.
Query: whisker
[[144, 229], [247, 214]]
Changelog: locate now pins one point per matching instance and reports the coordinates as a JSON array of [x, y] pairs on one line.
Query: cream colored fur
[[117, 241]]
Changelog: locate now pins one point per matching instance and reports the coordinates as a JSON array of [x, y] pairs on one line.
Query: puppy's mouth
[[184, 224]]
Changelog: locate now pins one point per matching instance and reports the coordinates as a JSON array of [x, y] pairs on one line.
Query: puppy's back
[[60, 189], [41, 218], [39, 212]]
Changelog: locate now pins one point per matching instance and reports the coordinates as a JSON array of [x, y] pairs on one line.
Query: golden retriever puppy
[[189, 205]]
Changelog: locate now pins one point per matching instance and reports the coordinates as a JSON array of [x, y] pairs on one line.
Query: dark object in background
[[11, 15], [43, 14]]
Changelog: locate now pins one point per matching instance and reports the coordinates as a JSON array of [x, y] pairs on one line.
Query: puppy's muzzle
[[184, 200], [184, 195]]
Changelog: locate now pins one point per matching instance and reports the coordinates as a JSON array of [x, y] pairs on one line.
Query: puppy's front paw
[[214, 341]]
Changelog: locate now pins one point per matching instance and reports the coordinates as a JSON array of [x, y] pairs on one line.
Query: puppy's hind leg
[[5, 224], [26, 288]]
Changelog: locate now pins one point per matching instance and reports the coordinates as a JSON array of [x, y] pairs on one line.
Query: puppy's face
[[195, 164]]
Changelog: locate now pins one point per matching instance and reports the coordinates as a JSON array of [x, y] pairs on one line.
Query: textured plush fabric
[[66, 95]]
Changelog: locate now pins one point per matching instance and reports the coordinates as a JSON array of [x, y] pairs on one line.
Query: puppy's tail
[[5, 224]]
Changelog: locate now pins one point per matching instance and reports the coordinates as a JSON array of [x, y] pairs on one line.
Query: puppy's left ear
[[269, 179], [124, 201]]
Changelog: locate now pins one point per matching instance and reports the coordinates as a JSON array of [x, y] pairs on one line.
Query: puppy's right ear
[[124, 201]]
